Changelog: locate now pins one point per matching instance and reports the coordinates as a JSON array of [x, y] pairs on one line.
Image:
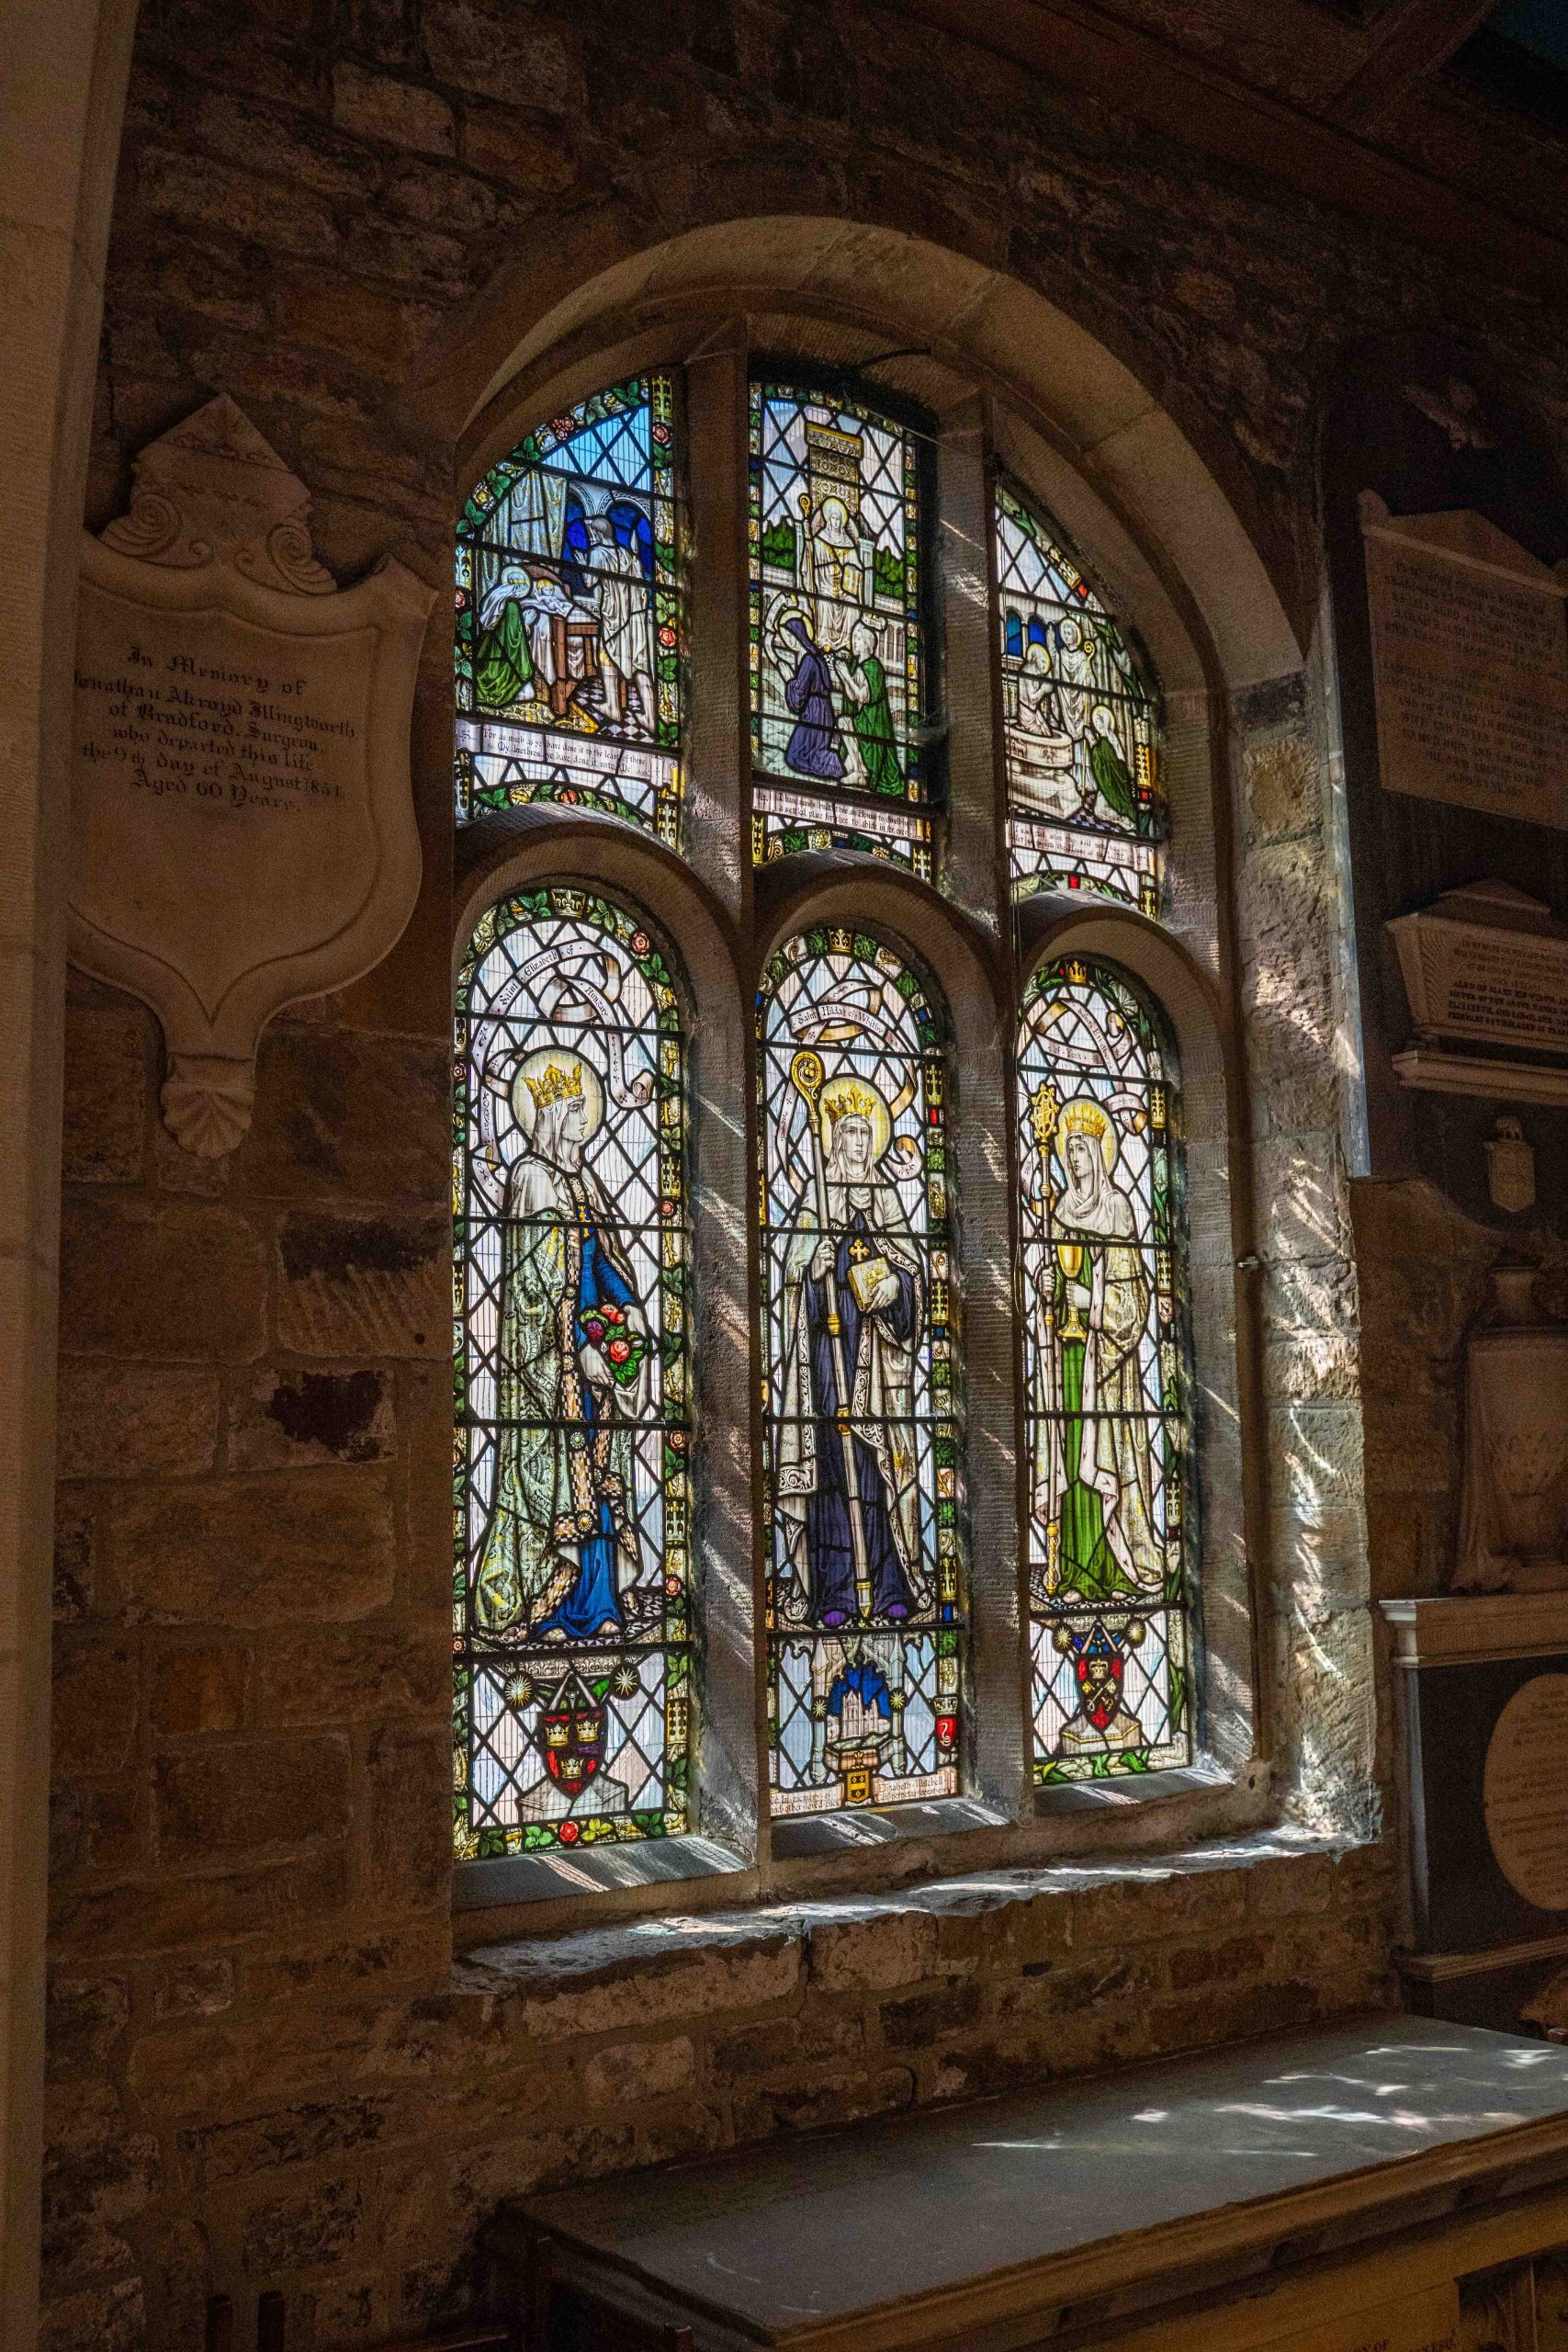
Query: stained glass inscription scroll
[[1105, 1329], [835, 629], [864, 1504], [1079, 724], [570, 619], [570, 1507]]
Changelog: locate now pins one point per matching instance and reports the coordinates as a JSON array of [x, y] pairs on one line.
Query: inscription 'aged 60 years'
[[1470, 652]]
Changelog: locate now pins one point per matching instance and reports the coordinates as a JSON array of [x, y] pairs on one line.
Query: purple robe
[[829, 1548], [814, 746]]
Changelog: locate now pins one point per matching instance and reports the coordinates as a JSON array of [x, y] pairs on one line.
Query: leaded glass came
[[571, 616], [570, 1601], [866, 1500], [1105, 1354], [1079, 724], [835, 629]]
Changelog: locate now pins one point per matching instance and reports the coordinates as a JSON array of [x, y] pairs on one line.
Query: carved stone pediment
[[243, 820]]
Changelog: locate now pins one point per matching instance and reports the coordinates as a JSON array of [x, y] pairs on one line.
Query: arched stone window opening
[[572, 1581], [864, 1507]]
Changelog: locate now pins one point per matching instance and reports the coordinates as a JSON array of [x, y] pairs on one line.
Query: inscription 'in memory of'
[[1470, 669]]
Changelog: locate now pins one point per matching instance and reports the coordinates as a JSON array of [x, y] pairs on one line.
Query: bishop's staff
[[805, 1072]]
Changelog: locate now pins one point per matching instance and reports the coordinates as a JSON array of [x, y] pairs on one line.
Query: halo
[[833, 1096], [533, 1065], [1108, 1144]]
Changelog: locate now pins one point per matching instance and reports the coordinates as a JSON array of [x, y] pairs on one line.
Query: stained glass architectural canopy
[[571, 616], [836, 635], [1105, 1368], [1080, 725]]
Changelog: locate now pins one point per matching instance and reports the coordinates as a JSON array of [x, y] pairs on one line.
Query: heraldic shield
[[243, 813]]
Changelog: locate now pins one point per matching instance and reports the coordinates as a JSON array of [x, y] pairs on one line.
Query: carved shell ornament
[[242, 816]]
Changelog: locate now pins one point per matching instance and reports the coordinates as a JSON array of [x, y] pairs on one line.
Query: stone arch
[[1174, 487]]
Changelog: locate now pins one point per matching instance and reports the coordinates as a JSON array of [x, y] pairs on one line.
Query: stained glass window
[[866, 1505], [1104, 1324], [572, 1516], [571, 616], [1080, 725], [835, 629]]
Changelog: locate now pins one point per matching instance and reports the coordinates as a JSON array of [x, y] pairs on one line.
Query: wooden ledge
[[1091, 2203]]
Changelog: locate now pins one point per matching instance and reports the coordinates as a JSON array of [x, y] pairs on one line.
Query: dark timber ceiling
[[1379, 106]]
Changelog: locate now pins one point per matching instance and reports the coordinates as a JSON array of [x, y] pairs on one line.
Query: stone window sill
[[1130, 1789], [840, 1833], [897, 1936], [590, 1870]]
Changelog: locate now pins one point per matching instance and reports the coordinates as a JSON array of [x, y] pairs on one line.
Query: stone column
[[63, 77]]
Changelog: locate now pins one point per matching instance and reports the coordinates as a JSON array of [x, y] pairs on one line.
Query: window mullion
[[974, 868], [717, 811]]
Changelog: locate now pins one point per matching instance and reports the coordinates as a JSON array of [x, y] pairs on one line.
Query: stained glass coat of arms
[[865, 1505], [1104, 1326], [571, 1525], [1079, 725], [571, 616], [835, 629]]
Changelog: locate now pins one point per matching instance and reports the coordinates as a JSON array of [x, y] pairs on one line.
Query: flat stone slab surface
[[783, 2239]]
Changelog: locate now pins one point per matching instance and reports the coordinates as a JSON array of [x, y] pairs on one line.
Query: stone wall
[[263, 2074]]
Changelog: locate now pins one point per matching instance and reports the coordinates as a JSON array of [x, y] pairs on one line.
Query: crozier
[[244, 823]]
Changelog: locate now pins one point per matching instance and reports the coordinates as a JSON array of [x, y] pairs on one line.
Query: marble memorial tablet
[[1523, 1795], [1489, 965], [1470, 659], [243, 822]]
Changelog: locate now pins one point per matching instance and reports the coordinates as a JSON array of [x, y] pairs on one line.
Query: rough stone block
[[177, 1279], [134, 1916], [97, 1702], [110, 2319], [928, 2016], [108, 1093], [627, 1993], [199, 1689], [117, 1421], [309, 1545], [873, 1954], [251, 1796], [830, 2099], [210, 2154], [194, 1988], [400, 114], [85, 2016], [1231, 1961], [410, 1814], [280, 215], [814, 2034], [1148, 1904], [75, 1527], [638, 2069], [286, 1420], [327, 1674], [488, 50], [344, 1113], [365, 1285], [1283, 785], [98, 2175], [324, 2224], [1279, 1889], [496, 142]]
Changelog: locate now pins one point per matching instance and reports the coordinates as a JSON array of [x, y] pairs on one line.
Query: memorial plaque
[[1522, 1791], [243, 824], [1470, 661], [1487, 963]]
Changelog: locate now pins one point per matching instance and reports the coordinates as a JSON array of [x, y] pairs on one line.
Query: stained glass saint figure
[[854, 1318], [570, 1598], [1104, 1353], [865, 1488], [1093, 1491], [560, 1558], [836, 627]]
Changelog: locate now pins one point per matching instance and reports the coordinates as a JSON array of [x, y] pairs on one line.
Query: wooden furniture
[[1321, 2191], [574, 658]]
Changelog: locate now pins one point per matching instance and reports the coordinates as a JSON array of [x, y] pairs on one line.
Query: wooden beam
[[1409, 40], [1194, 102]]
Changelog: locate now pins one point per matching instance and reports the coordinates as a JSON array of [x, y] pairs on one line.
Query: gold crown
[[556, 1083], [851, 1101], [1081, 1118]]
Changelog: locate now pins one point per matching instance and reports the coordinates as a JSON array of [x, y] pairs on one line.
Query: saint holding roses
[[560, 1557]]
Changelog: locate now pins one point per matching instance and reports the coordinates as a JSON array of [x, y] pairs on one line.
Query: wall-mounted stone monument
[[1487, 966], [244, 823], [1513, 1533], [1469, 662]]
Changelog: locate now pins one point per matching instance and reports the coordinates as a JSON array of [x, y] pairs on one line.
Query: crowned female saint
[[1093, 1481], [560, 1559], [847, 1498]]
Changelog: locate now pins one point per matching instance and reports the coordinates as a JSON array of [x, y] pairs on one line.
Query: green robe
[[874, 733], [1109, 770], [504, 667]]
